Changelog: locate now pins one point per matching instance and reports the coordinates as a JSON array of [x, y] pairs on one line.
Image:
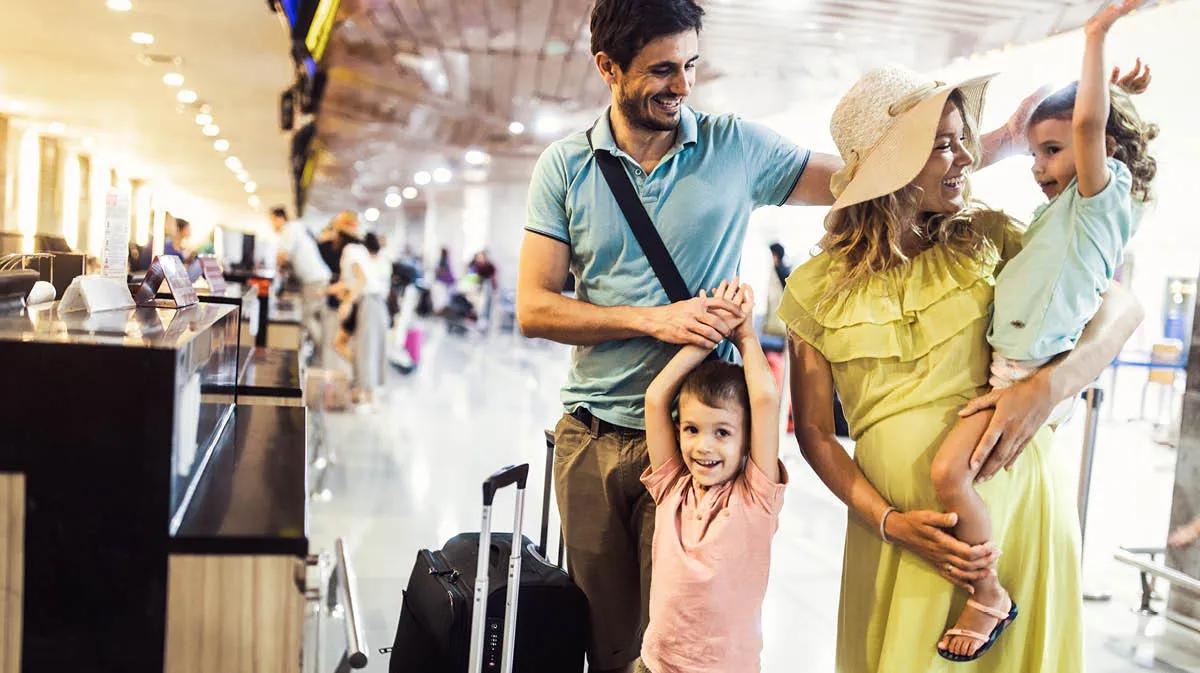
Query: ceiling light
[[371, 214], [186, 96], [212, 130], [422, 178], [57, 128], [410, 193], [254, 201], [204, 119], [221, 145], [242, 175], [442, 175], [89, 143], [251, 187], [173, 79], [516, 128], [234, 164], [119, 5], [476, 158], [142, 38], [548, 125], [393, 200]]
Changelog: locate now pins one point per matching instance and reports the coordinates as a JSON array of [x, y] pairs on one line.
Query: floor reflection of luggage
[[443, 630]]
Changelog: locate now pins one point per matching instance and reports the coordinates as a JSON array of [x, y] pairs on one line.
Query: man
[[298, 247], [699, 177]]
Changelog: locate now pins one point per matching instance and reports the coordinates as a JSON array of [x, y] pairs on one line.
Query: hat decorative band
[[910, 101]]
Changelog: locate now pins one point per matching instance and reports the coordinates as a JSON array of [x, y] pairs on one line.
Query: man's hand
[[1021, 410], [1134, 82], [695, 321]]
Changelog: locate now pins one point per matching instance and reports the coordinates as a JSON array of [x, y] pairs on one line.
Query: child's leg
[[953, 480]]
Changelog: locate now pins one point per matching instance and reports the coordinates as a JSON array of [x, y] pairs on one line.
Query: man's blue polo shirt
[[699, 197]]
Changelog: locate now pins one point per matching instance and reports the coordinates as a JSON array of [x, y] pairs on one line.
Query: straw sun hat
[[885, 126]]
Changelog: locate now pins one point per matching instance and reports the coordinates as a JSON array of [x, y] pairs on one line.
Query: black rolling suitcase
[[440, 630]]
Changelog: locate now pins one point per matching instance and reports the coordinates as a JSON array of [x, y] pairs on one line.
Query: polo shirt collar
[[602, 134]]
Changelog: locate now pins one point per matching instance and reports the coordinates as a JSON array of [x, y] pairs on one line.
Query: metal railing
[[342, 596]]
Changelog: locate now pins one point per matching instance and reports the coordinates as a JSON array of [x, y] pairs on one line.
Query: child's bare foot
[[975, 620]]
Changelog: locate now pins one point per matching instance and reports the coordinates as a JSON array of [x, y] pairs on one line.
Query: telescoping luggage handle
[[513, 474]]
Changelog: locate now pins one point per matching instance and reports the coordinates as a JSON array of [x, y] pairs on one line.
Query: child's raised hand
[[1136, 81], [1108, 15], [731, 292], [745, 300]]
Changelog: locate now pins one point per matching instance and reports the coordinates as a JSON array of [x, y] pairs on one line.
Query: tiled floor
[[407, 476]]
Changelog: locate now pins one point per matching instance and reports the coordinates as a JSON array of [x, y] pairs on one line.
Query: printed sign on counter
[[169, 268], [213, 274], [116, 235]]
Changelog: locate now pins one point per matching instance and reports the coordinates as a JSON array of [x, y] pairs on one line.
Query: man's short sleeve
[[774, 164], [547, 207]]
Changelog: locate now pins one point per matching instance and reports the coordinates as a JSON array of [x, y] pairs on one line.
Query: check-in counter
[[148, 522]]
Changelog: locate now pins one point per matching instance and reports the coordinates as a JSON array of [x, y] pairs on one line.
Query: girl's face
[[943, 181], [713, 441], [1053, 143]]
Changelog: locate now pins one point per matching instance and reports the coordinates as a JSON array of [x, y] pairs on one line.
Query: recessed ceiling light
[[173, 79], [254, 201], [89, 143], [186, 96], [410, 193], [57, 128], [242, 175], [119, 5], [516, 128], [204, 119], [233, 163], [212, 130], [422, 178], [393, 200], [371, 214], [142, 38], [251, 187], [442, 175], [221, 145], [476, 157]]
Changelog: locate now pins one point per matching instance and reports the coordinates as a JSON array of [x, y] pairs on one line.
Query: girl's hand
[[1098, 25], [923, 533], [1134, 82]]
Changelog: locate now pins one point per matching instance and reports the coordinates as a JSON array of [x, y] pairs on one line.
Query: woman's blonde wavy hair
[[864, 239]]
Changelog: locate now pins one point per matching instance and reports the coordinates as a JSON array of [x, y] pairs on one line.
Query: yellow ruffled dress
[[908, 349]]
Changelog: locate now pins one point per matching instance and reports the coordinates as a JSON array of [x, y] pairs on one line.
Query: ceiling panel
[[416, 82]]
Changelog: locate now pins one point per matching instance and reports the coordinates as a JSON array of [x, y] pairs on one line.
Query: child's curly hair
[[1131, 133]]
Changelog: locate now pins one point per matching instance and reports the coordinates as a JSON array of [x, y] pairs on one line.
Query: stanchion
[[1094, 397]]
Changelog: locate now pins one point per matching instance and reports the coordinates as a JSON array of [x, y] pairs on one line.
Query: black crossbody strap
[[643, 228]]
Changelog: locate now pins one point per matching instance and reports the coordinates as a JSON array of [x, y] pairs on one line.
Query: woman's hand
[[1021, 410], [923, 533]]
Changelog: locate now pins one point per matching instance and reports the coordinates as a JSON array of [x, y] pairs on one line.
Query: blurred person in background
[[299, 254], [366, 276]]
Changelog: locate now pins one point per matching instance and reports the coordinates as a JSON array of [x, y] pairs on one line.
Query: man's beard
[[636, 110]]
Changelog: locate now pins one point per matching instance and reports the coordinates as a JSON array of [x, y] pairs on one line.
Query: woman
[[366, 278], [895, 312]]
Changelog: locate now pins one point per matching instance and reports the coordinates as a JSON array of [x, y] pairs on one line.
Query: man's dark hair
[[279, 211], [778, 251], [620, 28], [371, 241], [717, 383]]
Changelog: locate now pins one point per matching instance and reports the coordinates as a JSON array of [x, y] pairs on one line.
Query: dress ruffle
[[902, 313]]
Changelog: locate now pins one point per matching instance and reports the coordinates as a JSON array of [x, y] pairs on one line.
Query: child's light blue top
[[1051, 289]]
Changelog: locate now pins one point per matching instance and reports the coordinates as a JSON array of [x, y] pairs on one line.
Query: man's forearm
[[1101, 342], [549, 315]]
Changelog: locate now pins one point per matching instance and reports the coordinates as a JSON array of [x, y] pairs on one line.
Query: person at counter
[[176, 244], [298, 249]]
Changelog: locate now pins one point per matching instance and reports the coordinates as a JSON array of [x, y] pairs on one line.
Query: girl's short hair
[[1126, 127], [717, 383]]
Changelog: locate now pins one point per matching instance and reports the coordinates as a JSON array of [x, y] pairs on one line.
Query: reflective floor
[[406, 476]]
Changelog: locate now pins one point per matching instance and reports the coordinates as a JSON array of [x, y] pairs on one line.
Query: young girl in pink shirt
[[718, 485]]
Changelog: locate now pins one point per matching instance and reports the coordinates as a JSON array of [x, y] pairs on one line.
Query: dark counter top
[[272, 372], [234, 294], [155, 328], [253, 496]]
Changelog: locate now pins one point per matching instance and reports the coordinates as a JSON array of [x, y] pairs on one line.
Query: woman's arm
[[921, 532], [1022, 409]]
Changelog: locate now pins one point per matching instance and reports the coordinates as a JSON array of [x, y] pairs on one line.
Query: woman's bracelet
[[883, 521]]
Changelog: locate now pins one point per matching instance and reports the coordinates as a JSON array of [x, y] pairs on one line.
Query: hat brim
[[904, 148]]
